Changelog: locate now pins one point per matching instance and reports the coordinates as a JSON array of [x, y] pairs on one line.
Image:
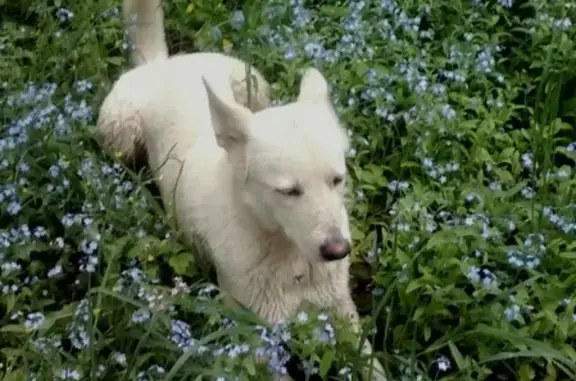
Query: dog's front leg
[[347, 309], [377, 368]]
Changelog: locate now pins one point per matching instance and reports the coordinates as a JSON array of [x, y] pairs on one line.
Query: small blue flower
[[140, 316], [64, 14], [237, 19], [34, 320]]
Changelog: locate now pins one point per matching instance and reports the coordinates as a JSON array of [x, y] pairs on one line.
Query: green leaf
[[456, 355], [568, 255], [427, 332], [144, 247], [17, 374], [14, 328], [115, 249], [326, 362], [332, 11], [507, 154], [569, 107], [66, 312], [419, 312], [526, 373], [181, 262], [170, 246], [250, 365], [357, 234], [23, 251], [116, 61], [415, 284]]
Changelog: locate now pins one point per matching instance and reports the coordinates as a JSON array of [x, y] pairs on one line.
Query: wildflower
[[34, 320], [302, 317], [506, 3], [54, 271], [378, 291], [180, 287], [14, 208], [528, 160], [346, 372], [153, 371], [482, 276], [527, 192], [443, 363], [82, 86], [512, 313], [70, 374], [64, 14], [23, 167], [495, 186], [140, 316], [46, 345], [207, 290], [16, 315], [216, 34], [314, 50], [78, 336], [120, 358], [90, 259], [325, 333], [78, 328], [180, 335], [273, 349], [10, 267], [237, 19], [398, 185]]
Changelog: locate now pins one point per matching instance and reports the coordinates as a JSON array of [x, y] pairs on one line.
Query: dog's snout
[[335, 248]]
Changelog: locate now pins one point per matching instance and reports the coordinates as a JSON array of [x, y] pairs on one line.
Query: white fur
[[225, 169], [157, 78], [144, 22]]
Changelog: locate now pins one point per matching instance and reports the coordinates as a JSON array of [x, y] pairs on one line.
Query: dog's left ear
[[230, 119], [314, 88]]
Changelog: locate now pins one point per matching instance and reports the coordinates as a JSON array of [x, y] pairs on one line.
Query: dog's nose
[[334, 249]]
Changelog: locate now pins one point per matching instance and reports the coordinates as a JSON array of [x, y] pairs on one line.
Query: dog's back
[[167, 94], [167, 102]]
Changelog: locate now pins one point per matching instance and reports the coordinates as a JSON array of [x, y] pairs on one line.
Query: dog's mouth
[[332, 259], [333, 253]]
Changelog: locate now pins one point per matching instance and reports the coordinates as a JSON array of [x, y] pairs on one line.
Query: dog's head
[[290, 161]]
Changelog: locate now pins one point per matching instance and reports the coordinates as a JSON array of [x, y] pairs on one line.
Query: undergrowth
[[462, 117]]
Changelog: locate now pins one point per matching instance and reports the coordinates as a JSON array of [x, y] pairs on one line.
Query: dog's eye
[[292, 192], [337, 180]]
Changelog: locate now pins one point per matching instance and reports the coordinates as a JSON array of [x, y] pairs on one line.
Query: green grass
[[462, 117]]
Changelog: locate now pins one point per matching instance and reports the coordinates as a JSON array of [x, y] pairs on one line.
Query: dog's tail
[[119, 122], [144, 22]]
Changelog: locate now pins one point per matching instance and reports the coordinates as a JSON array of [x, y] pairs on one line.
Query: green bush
[[461, 115]]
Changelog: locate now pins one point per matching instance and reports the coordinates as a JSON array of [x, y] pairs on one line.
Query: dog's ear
[[230, 119], [313, 88]]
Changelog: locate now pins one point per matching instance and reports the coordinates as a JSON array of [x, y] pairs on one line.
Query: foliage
[[462, 120]]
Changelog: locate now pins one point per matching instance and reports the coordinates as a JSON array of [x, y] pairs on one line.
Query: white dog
[[262, 187]]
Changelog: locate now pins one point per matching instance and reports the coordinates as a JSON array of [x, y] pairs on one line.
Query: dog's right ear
[[314, 87], [230, 119]]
